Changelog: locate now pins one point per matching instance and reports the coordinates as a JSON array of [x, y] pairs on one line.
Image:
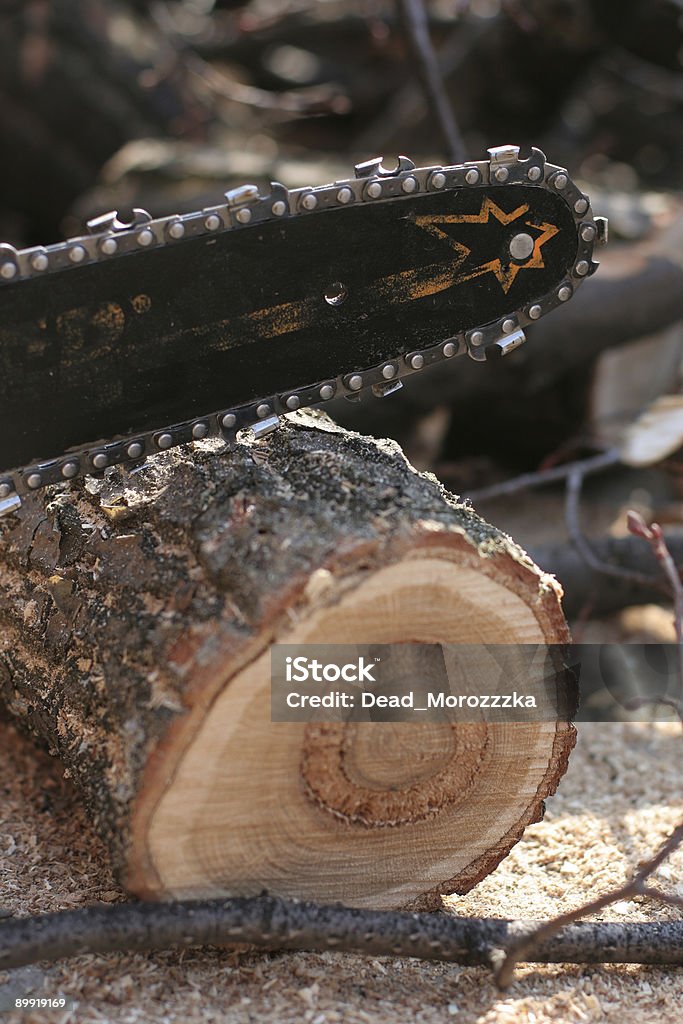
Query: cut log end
[[315, 536]]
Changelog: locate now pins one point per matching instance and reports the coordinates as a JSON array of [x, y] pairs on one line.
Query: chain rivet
[[535, 312], [34, 480], [326, 392], [212, 222], [293, 402], [5, 490], [176, 229], [355, 382], [501, 174], [165, 441], [344, 195], [449, 349], [374, 190], [134, 450], [108, 246], [40, 261], [229, 420], [244, 215], [472, 176], [199, 431], [564, 293], [309, 201], [534, 173], [477, 338], [389, 371], [77, 254], [8, 271], [588, 232], [409, 184], [417, 361], [582, 268], [145, 238], [437, 180], [263, 410], [560, 181], [100, 461], [70, 470], [278, 209], [580, 206]]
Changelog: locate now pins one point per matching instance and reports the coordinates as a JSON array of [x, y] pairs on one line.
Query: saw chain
[[142, 335]]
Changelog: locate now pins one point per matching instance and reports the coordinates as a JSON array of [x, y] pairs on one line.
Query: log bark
[[137, 616]]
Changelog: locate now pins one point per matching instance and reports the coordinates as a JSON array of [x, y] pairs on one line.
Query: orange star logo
[[506, 273]]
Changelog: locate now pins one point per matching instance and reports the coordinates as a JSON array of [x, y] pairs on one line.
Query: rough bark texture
[[129, 606]]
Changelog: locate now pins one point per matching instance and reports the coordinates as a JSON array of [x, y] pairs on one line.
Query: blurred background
[[112, 104]]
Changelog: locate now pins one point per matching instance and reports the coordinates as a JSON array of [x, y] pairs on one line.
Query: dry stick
[[578, 538], [541, 477], [637, 886], [280, 924], [522, 949], [407, 103], [655, 537], [314, 100], [416, 23]]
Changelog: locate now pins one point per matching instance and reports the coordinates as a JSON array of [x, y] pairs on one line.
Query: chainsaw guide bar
[[154, 333]]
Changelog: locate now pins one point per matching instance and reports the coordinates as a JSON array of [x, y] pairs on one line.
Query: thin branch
[[315, 100], [414, 17], [578, 538], [273, 923], [637, 886], [654, 535], [543, 477], [662, 897], [524, 948]]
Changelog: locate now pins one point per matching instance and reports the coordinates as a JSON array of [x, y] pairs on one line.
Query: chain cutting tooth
[[240, 201], [512, 340], [110, 221], [265, 426], [384, 390], [375, 168], [9, 505]]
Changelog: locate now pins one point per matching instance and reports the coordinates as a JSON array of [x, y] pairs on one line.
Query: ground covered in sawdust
[[621, 796]]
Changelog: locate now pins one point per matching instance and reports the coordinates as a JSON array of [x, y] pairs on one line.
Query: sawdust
[[620, 797]]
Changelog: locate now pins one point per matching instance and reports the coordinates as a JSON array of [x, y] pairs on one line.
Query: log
[[138, 613]]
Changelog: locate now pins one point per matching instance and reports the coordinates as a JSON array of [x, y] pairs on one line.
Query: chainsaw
[[146, 334]]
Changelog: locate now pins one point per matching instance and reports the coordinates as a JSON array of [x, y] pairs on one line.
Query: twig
[[273, 923], [542, 477], [654, 535], [637, 886], [416, 23], [664, 897], [522, 949], [578, 538], [321, 99]]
